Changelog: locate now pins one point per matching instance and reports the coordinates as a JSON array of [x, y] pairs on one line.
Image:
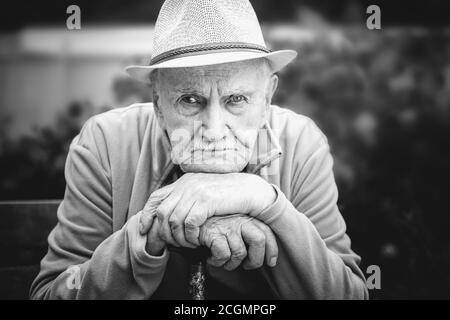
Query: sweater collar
[[266, 149]]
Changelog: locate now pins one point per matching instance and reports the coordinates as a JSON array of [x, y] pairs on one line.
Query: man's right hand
[[232, 239], [236, 239]]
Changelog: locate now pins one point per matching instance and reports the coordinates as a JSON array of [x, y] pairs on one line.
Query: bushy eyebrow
[[190, 90], [226, 90], [239, 90]]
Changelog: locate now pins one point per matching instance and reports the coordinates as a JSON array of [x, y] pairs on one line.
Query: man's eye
[[189, 100], [237, 99]]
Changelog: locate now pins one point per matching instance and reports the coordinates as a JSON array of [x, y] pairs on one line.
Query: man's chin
[[213, 167]]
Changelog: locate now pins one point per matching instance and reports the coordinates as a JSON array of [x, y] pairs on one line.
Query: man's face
[[212, 114]]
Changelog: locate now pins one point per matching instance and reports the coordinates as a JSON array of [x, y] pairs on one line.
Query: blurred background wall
[[381, 96]]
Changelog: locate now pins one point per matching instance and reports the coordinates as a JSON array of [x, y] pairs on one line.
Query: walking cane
[[197, 277], [197, 274]]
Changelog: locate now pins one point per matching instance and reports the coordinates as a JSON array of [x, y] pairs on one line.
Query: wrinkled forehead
[[224, 76]]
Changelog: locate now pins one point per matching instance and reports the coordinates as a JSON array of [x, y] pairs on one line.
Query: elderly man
[[211, 163]]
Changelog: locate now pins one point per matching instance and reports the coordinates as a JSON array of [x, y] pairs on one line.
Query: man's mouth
[[216, 150]]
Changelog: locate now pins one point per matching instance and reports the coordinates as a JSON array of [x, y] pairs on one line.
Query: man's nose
[[214, 127]]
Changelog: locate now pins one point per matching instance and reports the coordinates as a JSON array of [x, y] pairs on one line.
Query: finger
[[149, 211], [155, 243], [163, 213], [271, 245], [194, 220], [145, 222], [238, 251], [176, 220], [255, 240], [220, 252]]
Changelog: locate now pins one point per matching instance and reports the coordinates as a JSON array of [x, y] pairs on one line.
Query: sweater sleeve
[[85, 258], [315, 259]]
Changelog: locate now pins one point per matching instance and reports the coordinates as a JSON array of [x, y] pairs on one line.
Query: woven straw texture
[[184, 23]]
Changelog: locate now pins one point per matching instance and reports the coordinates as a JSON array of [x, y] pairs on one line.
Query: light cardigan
[[120, 157]]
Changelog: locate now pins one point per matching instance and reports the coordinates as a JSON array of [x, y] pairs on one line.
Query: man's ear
[[271, 88], [153, 77], [270, 91], [157, 108]]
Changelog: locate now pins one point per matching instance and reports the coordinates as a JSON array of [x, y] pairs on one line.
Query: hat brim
[[277, 60]]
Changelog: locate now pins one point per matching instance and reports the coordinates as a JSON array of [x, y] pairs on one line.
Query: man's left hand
[[183, 206]]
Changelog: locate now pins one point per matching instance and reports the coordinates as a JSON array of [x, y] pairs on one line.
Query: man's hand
[[227, 237], [183, 206], [232, 240]]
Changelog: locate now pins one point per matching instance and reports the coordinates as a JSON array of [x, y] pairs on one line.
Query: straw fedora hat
[[190, 33]]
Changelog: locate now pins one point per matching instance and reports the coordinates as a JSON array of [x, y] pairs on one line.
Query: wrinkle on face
[[227, 78], [214, 85]]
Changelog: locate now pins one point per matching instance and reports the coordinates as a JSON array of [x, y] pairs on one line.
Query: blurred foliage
[[383, 100], [32, 167]]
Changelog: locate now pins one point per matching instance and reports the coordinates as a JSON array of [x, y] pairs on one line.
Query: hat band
[[207, 48]]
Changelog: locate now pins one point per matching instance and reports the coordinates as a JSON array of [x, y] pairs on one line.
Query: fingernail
[[273, 262], [141, 227]]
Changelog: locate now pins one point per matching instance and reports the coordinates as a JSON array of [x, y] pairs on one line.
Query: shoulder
[[116, 124], [296, 132], [106, 134]]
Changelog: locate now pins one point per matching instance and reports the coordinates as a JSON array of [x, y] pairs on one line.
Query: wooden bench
[[24, 229]]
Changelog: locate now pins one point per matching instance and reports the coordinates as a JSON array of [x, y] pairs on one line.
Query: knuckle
[[239, 254], [224, 256], [189, 224], [174, 223], [205, 237], [192, 238], [160, 212], [219, 253]]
